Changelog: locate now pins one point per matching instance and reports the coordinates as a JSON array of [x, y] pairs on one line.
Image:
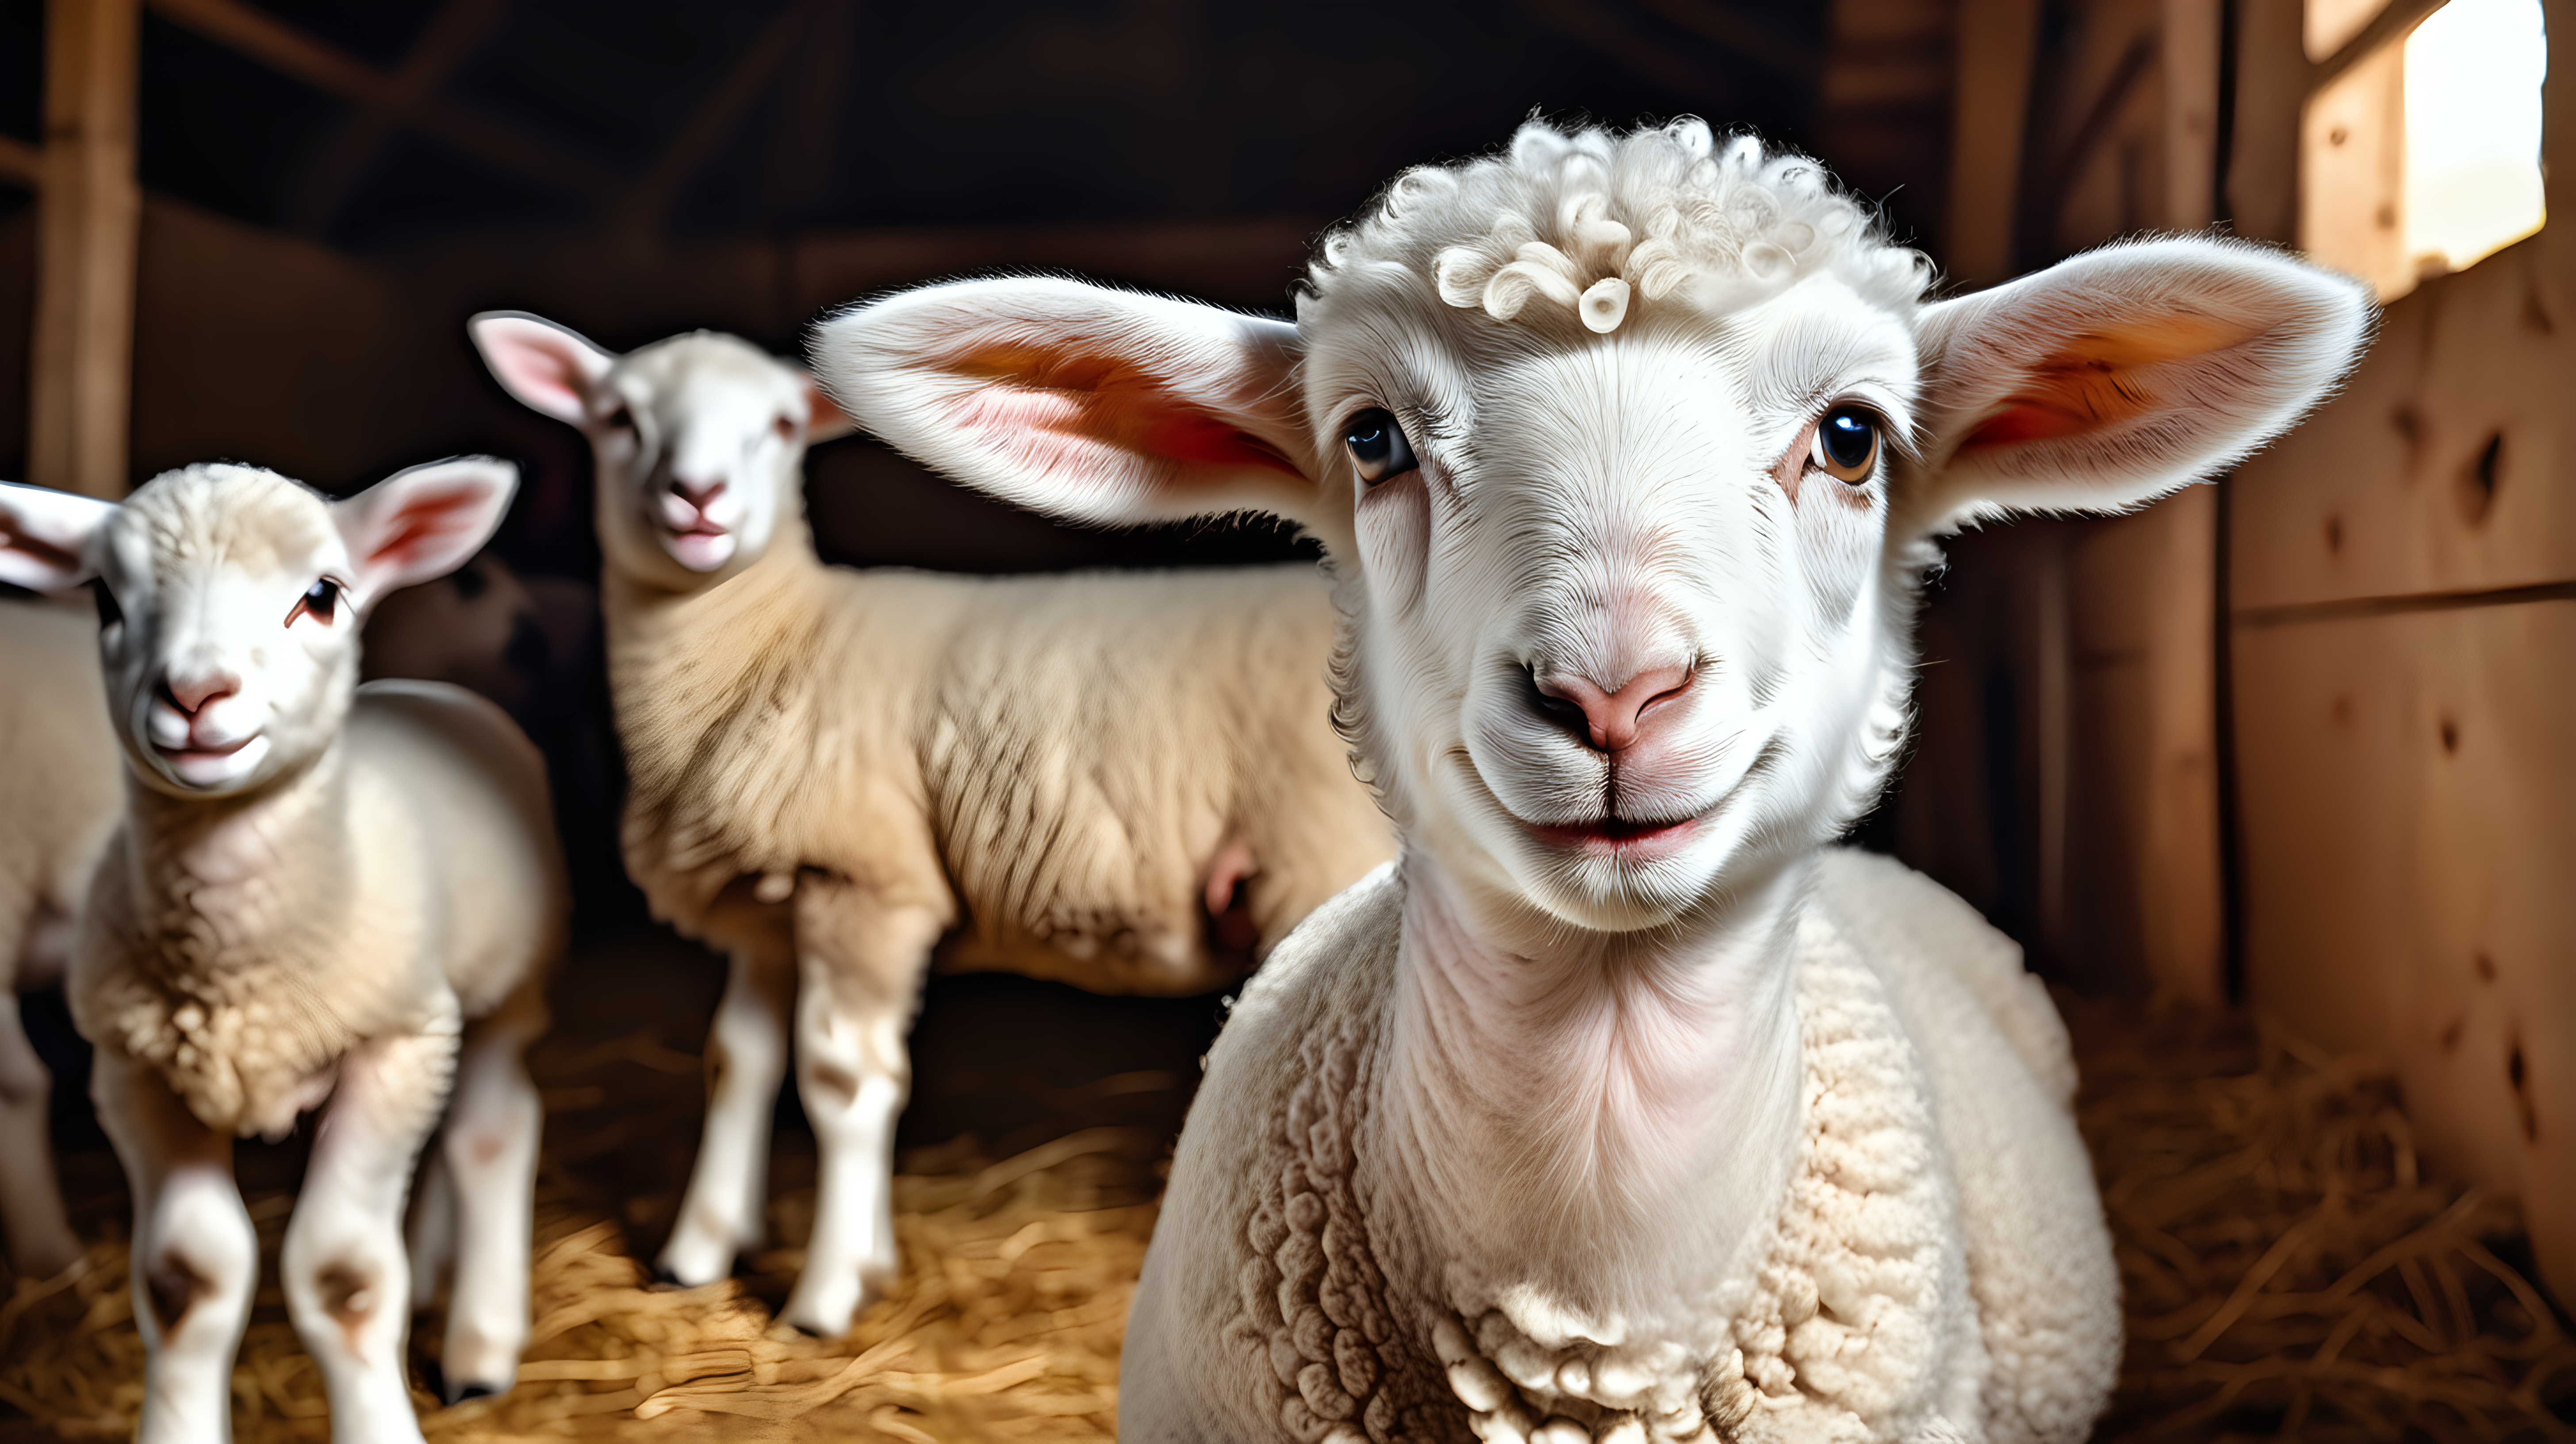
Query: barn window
[[2421, 152]]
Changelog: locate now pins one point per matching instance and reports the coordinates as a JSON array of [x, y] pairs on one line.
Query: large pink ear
[[422, 523], [2115, 377], [549, 368], [1078, 400], [45, 536]]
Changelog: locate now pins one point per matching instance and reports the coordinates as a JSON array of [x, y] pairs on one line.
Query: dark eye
[[109, 613], [785, 426], [1846, 446], [618, 418], [321, 601], [1377, 446]]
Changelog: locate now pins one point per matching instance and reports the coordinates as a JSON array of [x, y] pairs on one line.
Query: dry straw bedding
[[2289, 1273]]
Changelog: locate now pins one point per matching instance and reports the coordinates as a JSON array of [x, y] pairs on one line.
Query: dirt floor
[[2288, 1273]]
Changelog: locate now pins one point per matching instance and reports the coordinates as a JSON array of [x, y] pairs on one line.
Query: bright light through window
[[2473, 73]]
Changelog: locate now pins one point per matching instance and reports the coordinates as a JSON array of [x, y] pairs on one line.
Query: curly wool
[[1595, 222]]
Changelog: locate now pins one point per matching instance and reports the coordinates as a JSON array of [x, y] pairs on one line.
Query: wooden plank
[[444, 43], [2263, 147], [2444, 466], [714, 118], [282, 47], [2145, 900], [1996, 43], [2352, 175], [2405, 786], [2188, 56], [88, 208], [21, 163]]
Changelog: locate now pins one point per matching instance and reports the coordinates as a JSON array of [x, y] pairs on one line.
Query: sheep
[[58, 799], [1622, 1107], [1125, 782], [317, 894]]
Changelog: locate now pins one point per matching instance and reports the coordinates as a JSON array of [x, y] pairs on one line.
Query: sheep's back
[[61, 788]]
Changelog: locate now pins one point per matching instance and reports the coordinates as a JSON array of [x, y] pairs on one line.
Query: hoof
[[433, 1378], [666, 1278], [470, 1390]]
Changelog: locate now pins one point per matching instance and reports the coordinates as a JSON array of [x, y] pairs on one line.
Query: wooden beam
[[1998, 41], [2394, 23], [326, 68], [1746, 36], [1595, 25], [88, 210], [20, 163], [711, 121], [451, 36]]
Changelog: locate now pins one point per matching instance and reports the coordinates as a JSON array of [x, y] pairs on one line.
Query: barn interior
[[2269, 779]]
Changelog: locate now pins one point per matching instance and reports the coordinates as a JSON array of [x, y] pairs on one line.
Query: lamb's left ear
[[422, 523], [1078, 400], [2120, 375], [824, 418], [45, 536]]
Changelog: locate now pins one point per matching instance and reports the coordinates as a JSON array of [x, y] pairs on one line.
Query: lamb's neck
[[234, 885], [670, 651], [1599, 1133]]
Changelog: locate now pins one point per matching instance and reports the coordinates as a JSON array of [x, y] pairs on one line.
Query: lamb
[[316, 891], [1622, 1107], [58, 803], [1125, 782]]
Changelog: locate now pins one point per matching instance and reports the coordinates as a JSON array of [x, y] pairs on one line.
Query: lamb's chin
[[700, 551]]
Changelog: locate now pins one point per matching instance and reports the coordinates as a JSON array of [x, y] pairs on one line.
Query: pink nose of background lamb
[[698, 493], [193, 691], [1614, 720]]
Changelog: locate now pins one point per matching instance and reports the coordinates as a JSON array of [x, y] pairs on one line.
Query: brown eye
[[785, 426], [1846, 446], [1377, 446], [321, 602]]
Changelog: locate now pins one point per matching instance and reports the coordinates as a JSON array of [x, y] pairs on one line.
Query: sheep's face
[[698, 440], [230, 601], [1619, 599]]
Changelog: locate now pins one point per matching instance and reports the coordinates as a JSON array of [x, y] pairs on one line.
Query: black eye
[[619, 418], [1377, 446], [321, 601], [109, 613], [1846, 446]]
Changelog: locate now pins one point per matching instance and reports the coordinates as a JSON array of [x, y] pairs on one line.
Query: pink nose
[[1613, 720], [192, 693], [698, 493]]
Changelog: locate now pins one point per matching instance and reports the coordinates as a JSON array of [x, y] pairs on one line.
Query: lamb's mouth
[[701, 546], [218, 766], [1619, 837]]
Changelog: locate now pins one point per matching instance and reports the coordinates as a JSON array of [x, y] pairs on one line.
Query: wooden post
[[1997, 41], [88, 210]]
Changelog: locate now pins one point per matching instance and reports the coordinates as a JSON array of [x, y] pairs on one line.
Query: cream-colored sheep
[[315, 891], [60, 782], [1622, 1107], [1073, 777]]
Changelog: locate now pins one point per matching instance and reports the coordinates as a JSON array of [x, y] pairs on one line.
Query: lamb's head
[[1626, 452], [698, 439], [230, 601]]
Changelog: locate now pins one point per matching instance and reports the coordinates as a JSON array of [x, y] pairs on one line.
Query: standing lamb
[[316, 890], [59, 790], [1622, 1107], [1081, 777]]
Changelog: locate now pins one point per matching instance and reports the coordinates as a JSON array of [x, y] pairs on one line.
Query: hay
[[2288, 1270]]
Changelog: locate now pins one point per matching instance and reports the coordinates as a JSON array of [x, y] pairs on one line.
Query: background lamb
[[1619, 1108], [315, 889], [59, 789], [1122, 781]]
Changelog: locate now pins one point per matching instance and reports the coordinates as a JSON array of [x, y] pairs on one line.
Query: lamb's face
[[228, 632], [698, 441], [1621, 610], [230, 601]]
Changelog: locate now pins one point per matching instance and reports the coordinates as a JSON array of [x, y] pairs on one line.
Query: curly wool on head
[[1593, 221]]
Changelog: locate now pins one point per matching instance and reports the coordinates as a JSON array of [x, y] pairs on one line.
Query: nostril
[[1607, 721], [1564, 712], [191, 694], [698, 493]]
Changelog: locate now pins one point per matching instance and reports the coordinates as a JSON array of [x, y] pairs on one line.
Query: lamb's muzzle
[[1623, 1108]]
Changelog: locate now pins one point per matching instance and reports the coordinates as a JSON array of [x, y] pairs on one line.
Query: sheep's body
[[1055, 762], [58, 806], [1935, 1264], [1127, 782], [317, 895]]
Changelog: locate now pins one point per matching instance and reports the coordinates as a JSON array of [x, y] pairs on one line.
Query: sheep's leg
[[430, 1237], [490, 1150], [195, 1254], [860, 963], [41, 1242], [725, 1209], [348, 1285]]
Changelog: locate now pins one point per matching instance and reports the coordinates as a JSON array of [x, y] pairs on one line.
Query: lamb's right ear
[[45, 536], [549, 368], [1080, 401]]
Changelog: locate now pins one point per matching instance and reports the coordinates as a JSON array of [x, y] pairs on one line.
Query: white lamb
[[1074, 777], [59, 789], [1622, 1107], [315, 891]]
